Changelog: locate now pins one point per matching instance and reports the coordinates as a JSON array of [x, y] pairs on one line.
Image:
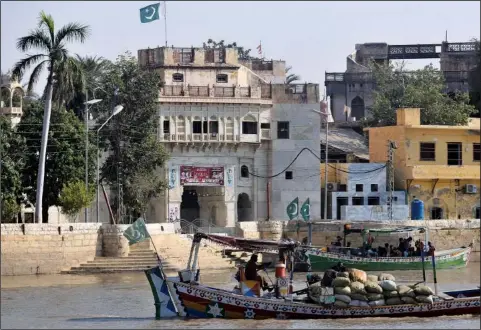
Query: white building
[[225, 122]]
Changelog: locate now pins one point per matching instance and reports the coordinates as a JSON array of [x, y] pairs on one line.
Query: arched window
[[249, 125], [244, 208], [244, 171], [357, 108]]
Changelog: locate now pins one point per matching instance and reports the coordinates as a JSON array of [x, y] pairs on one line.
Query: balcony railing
[[11, 111], [199, 91], [263, 92], [224, 91], [200, 137], [265, 133], [173, 91], [449, 76]]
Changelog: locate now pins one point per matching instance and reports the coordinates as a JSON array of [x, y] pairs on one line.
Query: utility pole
[[1, 161], [86, 115], [390, 176]]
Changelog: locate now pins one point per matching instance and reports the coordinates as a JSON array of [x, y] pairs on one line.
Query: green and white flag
[[293, 209], [137, 232], [150, 13], [306, 210]]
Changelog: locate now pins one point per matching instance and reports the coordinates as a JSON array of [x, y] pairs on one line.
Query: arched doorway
[[189, 207], [436, 213], [357, 108], [244, 206]]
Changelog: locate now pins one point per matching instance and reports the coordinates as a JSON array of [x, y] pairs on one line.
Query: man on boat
[[251, 272]]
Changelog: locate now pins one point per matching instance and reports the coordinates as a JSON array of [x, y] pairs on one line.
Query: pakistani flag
[[149, 13], [306, 210], [137, 232], [293, 209]]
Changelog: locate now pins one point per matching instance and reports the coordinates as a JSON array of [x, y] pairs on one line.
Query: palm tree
[[92, 70], [54, 53], [291, 77]]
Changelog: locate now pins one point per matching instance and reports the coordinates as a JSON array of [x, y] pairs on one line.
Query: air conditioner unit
[[470, 189], [331, 186]]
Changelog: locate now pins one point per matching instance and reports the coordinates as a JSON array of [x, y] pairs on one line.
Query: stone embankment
[[91, 248]]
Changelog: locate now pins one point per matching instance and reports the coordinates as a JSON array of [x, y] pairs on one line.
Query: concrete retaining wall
[[48, 248]]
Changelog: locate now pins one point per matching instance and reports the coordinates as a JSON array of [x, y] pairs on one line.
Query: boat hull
[[197, 301], [321, 261]]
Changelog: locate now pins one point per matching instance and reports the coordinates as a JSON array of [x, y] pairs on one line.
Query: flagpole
[[165, 23]]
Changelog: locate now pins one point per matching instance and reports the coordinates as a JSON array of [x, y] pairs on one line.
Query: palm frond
[[292, 78], [46, 20], [288, 69], [36, 39], [35, 74], [72, 32], [24, 64]]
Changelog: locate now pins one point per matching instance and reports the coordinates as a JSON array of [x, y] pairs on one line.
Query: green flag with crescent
[[293, 209], [306, 210], [137, 232], [150, 13]]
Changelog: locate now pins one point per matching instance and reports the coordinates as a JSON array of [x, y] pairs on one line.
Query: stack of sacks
[[424, 294], [374, 292], [407, 294], [358, 292], [342, 291]]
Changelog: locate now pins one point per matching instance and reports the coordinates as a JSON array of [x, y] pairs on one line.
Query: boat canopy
[[245, 244], [386, 230]]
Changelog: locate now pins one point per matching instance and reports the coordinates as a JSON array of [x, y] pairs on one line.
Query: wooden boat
[[184, 296], [321, 260]]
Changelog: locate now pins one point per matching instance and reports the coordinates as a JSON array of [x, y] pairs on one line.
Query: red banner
[[201, 176]]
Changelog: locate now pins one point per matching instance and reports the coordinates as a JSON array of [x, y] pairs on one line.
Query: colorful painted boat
[[183, 296], [321, 261]]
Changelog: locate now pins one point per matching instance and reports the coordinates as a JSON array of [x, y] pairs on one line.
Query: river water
[[119, 301]]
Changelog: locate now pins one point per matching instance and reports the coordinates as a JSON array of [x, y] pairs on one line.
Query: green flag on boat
[[293, 209], [306, 210], [150, 13], [137, 232]]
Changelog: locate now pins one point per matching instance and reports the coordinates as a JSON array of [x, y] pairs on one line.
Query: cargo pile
[[355, 288]]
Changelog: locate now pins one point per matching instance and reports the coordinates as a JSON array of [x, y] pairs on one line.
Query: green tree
[[243, 53], [12, 149], [475, 80], [74, 197], [65, 161], [132, 138], [54, 52], [85, 85], [424, 88]]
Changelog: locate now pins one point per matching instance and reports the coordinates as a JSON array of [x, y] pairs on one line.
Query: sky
[[312, 37]]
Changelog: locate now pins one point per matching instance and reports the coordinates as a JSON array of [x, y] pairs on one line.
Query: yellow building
[[435, 163]]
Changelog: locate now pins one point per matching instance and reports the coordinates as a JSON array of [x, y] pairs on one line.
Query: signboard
[[201, 176], [173, 174]]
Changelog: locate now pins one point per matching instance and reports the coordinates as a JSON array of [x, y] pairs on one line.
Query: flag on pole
[[137, 232], [306, 210], [293, 209], [259, 48], [150, 13]]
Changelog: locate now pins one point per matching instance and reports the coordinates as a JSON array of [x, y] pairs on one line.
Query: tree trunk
[[43, 149], [45, 214]]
